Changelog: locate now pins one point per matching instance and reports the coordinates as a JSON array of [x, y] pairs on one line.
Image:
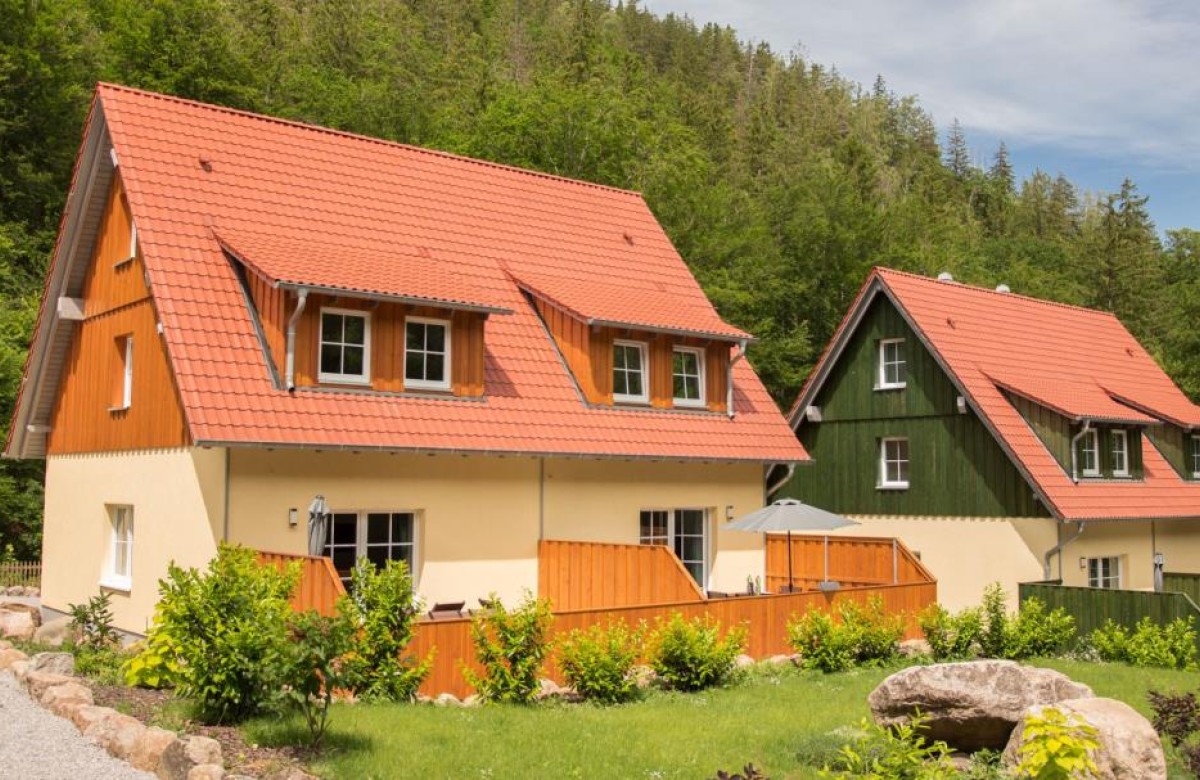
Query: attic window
[[1196, 457], [893, 367], [1120, 453], [123, 386], [687, 376], [426, 354], [629, 372], [345, 346], [1089, 454]]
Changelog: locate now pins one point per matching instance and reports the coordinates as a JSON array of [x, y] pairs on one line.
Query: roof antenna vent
[[206, 164], [628, 238], [1003, 288], [945, 276]]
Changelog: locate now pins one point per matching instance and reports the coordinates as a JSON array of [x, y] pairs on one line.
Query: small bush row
[[856, 635], [1172, 646], [989, 631]]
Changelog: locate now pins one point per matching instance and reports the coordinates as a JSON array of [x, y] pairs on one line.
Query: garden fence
[[24, 573], [1092, 607]]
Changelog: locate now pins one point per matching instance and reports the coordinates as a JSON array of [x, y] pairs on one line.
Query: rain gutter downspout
[[290, 371], [741, 353], [791, 469], [1058, 548], [1087, 427]]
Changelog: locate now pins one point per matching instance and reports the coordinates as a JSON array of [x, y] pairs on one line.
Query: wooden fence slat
[[319, 588], [578, 575], [21, 573], [1092, 607]]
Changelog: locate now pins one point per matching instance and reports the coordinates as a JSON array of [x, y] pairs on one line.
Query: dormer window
[[687, 376], [893, 368], [629, 372], [893, 464], [426, 354], [1196, 457], [345, 346], [1089, 454], [1120, 453]]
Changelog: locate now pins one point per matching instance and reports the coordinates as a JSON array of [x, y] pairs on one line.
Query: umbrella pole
[[827, 559], [791, 583]]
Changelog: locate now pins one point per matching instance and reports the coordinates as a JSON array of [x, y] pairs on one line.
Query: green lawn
[[784, 722]]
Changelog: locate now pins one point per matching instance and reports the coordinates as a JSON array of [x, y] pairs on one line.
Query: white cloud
[[1110, 78]]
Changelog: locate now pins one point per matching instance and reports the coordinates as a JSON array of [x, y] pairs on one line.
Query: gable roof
[[1079, 362], [202, 179]]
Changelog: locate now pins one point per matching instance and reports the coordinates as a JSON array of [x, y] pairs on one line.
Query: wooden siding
[[117, 305], [1056, 432], [764, 617], [854, 561], [319, 588], [1180, 582], [945, 448], [1175, 444], [586, 575], [587, 352], [273, 307]]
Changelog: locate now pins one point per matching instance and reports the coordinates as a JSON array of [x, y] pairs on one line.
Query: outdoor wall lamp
[[1082, 562], [292, 517], [729, 513]]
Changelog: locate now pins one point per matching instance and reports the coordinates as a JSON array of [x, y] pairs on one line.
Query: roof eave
[[410, 300]]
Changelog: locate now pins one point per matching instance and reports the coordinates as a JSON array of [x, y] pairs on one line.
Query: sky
[[1099, 90]]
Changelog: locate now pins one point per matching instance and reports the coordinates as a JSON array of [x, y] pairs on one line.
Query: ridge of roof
[[108, 85]]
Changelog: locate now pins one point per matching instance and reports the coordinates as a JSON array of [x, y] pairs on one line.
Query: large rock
[[85, 716], [9, 656], [970, 705], [1129, 747], [17, 624], [37, 682], [185, 754], [207, 772], [116, 733], [54, 632], [53, 663], [148, 752], [66, 698]]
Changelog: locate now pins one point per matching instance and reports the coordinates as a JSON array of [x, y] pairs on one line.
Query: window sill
[[895, 486], [124, 262], [631, 402], [120, 584], [879, 388], [681, 403], [326, 379], [410, 384], [118, 409]]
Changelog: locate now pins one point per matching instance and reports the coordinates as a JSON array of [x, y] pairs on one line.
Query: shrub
[[1176, 716], [383, 607], [690, 655], [864, 635], [989, 631], [598, 663], [312, 666], [1035, 632], [993, 638], [103, 664], [511, 645], [91, 622], [1172, 646], [227, 631], [951, 637], [1056, 747], [822, 643], [157, 663], [896, 753]]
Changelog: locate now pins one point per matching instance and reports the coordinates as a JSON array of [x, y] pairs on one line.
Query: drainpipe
[[791, 469], [290, 371], [1058, 548], [741, 353], [1087, 426]]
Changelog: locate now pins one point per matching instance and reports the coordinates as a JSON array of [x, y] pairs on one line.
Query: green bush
[[989, 631], [511, 645], [993, 638], [861, 635], [598, 663], [103, 664], [312, 666], [91, 622], [383, 606], [156, 662], [1056, 746], [227, 631], [896, 753], [1172, 646], [951, 637], [1035, 632], [690, 655]]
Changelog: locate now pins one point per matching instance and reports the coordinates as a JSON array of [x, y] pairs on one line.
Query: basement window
[[1120, 453], [345, 347], [1104, 572], [893, 366], [893, 464], [629, 372], [687, 376]]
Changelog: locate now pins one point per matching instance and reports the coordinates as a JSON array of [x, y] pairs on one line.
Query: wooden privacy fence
[[24, 573], [1178, 582], [764, 617], [1092, 607], [851, 561], [319, 586], [585, 575]]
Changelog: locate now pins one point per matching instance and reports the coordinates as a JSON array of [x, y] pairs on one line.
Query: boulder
[[61, 699], [970, 705], [474, 700], [911, 648], [446, 700], [10, 656], [53, 632], [85, 716], [207, 772], [16, 624], [185, 754], [19, 670], [37, 682], [116, 733], [1130, 749], [34, 612], [148, 750], [743, 661], [5, 644], [53, 663]]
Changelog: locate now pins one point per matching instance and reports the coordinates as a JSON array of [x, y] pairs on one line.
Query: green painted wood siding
[[1056, 432], [1175, 444], [956, 467]]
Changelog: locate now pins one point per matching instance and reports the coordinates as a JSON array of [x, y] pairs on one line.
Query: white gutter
[[791, 469], [741, 353], [1087, 426], [290, 372], [1058, 548]]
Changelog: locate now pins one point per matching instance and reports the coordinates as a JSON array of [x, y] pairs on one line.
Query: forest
[[780, 182]]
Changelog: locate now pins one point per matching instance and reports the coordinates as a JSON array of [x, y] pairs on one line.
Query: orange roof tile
[[194, 171]]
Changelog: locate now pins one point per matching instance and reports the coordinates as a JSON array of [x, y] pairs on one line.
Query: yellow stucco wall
[[1131, 542], [169, 491], [1179, 540]]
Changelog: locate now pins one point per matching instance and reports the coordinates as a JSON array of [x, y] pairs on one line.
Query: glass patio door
[[685, 532], [376, 536]]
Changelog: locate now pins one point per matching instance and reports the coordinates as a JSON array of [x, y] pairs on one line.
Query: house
[[1003, 437], [463, 358]]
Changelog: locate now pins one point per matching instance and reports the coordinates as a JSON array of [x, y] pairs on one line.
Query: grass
[[785, 722]]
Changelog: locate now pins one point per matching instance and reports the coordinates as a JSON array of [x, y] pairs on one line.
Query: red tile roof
[[1077, 361], [266, 187]]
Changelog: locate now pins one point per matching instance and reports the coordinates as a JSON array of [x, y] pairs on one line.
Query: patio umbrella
[[788, 514], [318, 525]]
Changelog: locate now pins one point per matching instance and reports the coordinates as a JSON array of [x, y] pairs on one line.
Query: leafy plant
[[91, 622], [1176, 715], [312, 667], [951, 637], [598, 663], [690, 655], [1057, 746], [897, 753], [157, 663], [993, 638], [383, 606], [1035, 632], [861, 635], [989, 630], [511, 645], [102, 664], [1172, 646], [821, 642]]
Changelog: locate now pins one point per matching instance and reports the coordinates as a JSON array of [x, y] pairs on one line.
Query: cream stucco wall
[[1179, 541], [170, 492], [1129, 541]]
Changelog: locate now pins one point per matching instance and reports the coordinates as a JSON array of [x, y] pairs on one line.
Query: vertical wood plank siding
[[1092, 607], [945, 447], [1056, 432], [319, 587], [854, 561], [1175, 445], [1183, 583], [586, 575], [117, 304]]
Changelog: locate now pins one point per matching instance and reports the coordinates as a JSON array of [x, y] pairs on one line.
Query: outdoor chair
[[447, 610]]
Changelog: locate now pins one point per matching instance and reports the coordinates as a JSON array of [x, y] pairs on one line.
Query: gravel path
[[36, 745]]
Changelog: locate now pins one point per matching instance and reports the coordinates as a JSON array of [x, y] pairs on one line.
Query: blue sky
[[1096, 89]]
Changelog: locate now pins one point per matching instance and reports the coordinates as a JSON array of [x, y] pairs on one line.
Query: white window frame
[[360, 536], [673, 536], [133, 239], [1092, 437], [120, 518], [126, 399], [700, 378], [643, 350], [882, 382], [345, 379], [1196, 457], [884, 482], [1113, 579], [1122, 436], [429, 384]]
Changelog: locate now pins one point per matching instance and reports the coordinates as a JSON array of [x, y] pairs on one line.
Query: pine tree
[[1001, 172], [958, 156]]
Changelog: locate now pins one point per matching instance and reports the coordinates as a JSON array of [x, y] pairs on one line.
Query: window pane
[[619, 357], [415, 335], [352, 361], [354, 330], [435, 367], [696, 570], [679, 387], [435, 338], [378, 555], [620, 385], [692, 548], [344, 528], [689, 521], [378, 526], [343, 559], [414, 365], [331, 359], [901, 373], [634, 383], [331, 327], [402, 529], [633, 358]]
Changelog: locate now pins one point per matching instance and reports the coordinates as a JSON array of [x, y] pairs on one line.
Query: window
[[377, 536], [426, 354], [687, 376], [1196, 457], [629, 372], [1089, 455], [132, 240], [893, 463], [123, 385], [345, 346], [685, 532], [1120, 453], [118, 570], [893, 370], [1104, 572]]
